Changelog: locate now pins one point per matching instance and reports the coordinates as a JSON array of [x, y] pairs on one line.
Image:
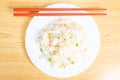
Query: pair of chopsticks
[[34, 11]]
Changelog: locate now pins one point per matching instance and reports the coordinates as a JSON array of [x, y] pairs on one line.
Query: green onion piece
[[76, 44], [64, 39], [58, 37], [68, 58], [41, 49], [50, 59]]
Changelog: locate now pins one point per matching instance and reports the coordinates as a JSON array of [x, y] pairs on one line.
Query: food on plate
[[62, 42]]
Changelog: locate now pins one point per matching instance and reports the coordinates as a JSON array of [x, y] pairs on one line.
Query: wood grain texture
[[15, 64]]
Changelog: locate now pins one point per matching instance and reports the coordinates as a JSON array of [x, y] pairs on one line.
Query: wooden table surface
[[15, 64]]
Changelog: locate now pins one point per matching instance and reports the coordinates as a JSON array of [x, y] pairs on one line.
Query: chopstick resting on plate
[[58, 11]]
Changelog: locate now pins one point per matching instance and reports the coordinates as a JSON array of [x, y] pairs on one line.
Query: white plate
[[33, 50]]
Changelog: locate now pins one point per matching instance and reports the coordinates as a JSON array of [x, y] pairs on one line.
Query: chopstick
[[20, 11], [58, 14], [55, 9]]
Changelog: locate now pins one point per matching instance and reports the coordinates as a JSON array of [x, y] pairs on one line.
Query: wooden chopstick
[[58, 14], [55, 9]]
